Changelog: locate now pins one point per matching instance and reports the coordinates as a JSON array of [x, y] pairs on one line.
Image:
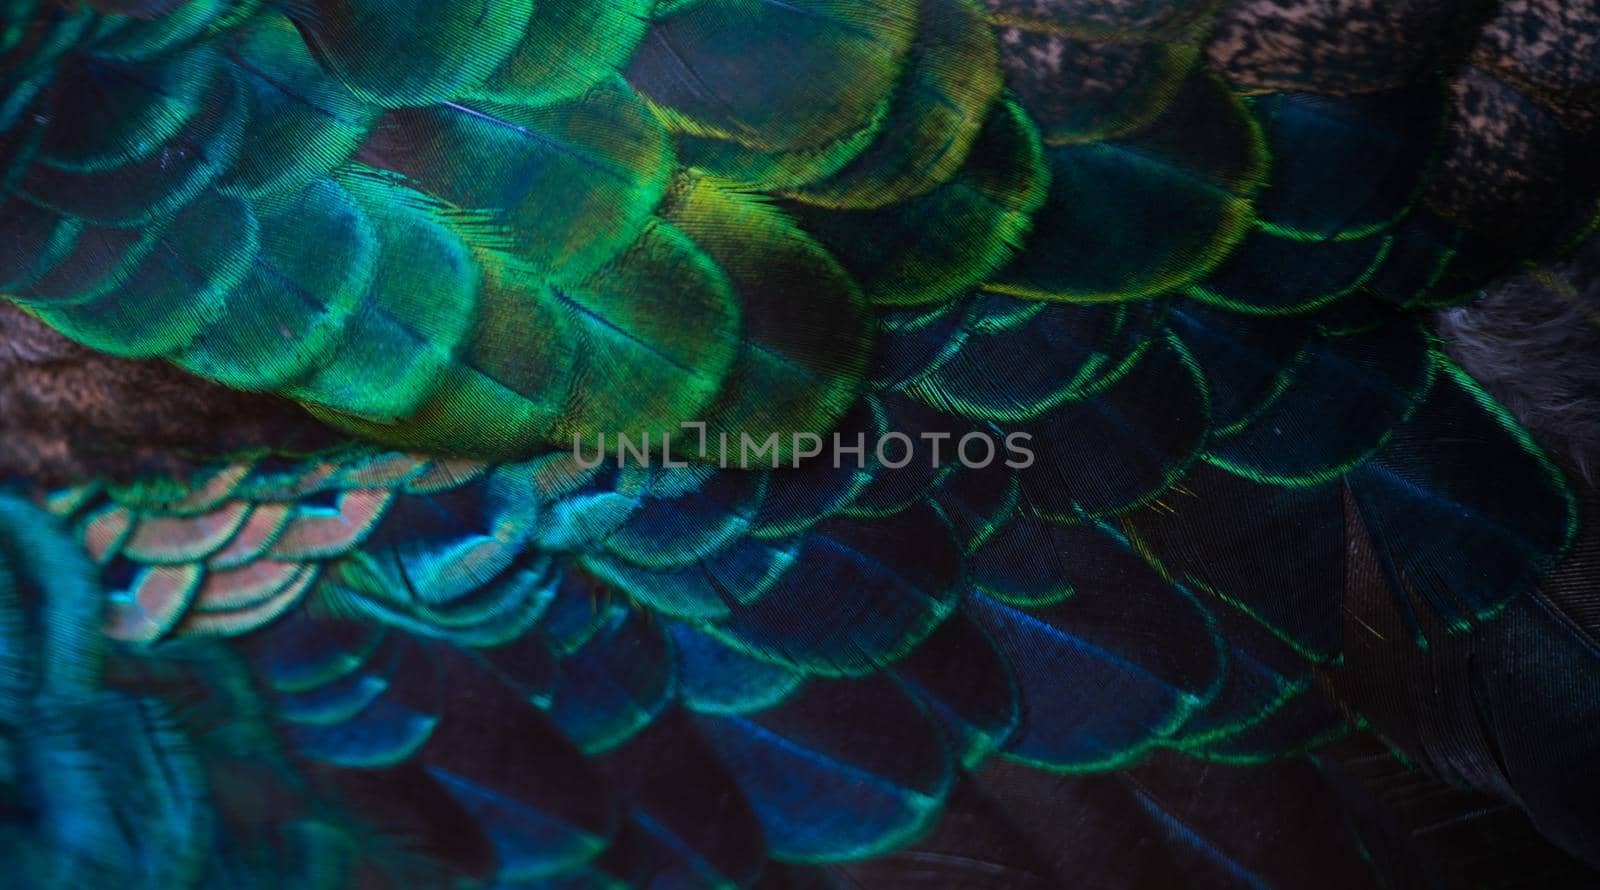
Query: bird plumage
[[1280, 595]]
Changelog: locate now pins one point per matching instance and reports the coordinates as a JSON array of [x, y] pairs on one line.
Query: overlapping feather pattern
[[1180, 247]]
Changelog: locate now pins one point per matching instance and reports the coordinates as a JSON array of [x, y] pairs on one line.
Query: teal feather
[[1176, 250]]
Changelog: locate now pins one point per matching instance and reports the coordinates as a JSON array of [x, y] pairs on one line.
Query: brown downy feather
[[71, 414]]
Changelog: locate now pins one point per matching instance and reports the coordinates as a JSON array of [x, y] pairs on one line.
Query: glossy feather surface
[[1272, 593]]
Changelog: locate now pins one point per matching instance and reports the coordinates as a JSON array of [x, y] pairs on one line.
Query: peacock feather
[[1232, 571]]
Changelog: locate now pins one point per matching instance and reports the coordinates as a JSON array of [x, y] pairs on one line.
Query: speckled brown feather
[[72, 414]]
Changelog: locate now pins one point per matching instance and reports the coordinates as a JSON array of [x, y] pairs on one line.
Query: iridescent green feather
[[569, 46], [932, 247], [1148, 212], [779, 93], [413, 52], [805, 340], [934, 118], [302, 122]]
